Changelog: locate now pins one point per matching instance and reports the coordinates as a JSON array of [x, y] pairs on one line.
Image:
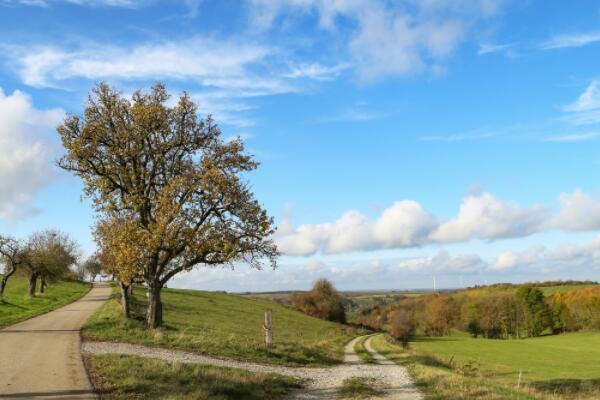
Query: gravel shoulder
[[321, 383]]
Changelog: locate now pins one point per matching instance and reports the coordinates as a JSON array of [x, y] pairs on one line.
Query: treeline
[[499, 312]]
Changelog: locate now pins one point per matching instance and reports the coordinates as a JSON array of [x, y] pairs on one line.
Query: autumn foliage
[[323, 301], [500, 312]]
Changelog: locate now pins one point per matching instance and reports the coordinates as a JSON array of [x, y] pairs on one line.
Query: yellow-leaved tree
[[168, 189]]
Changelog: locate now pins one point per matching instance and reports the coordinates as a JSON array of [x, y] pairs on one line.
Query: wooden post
[[268, 327]]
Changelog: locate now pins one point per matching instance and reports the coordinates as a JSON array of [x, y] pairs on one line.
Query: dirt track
[[40, 358], [321, 383]]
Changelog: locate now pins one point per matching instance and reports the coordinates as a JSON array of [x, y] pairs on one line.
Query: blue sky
[[398, 140]]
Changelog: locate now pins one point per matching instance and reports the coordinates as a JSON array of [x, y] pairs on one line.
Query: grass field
[[130, 377], [552, 367], [17, 306], [550, 290], [226, 325]]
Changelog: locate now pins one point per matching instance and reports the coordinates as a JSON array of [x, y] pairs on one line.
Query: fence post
[[268, 327]]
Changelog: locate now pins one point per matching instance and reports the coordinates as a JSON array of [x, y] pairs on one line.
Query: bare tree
[[12, 255]]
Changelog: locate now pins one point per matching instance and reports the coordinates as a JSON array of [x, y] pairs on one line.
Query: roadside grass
[[225, 325], [132, 377], [17, 306], [358, 389], [460, 367], [361, 352]]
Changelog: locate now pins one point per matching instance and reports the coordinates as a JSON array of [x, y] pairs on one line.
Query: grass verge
[[225, 325], [17, 306], [132, 377], [358, 389]]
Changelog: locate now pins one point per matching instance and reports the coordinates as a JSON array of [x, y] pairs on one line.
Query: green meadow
[[459, 367]]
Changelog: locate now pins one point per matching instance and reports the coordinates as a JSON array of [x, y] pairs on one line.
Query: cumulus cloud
[[25, 151], [579, 211], [569, 261], [386, 40], [407, 224], [487, 217]]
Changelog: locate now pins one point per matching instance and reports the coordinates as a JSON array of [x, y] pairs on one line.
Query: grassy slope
[[126, 377], [562, 366], [226, 325], [18, 307]]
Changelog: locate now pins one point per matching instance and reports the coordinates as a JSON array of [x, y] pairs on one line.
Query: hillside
[[16, 306], [225, 325]]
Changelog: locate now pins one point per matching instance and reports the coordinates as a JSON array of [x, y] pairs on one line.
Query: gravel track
[[321, 383]]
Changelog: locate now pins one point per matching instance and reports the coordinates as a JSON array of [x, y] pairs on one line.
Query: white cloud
[[406, 224], [25, 152], [316, 71], [386, 40], [489, 48], [210, 62], [571, 40], [588, 100], [578, 212], [505, 260], [487, 217], [573, 137]]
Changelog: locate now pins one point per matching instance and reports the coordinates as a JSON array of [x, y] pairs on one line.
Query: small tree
[[12, 255], [167, 178], [403, 325], [93, 267], [49, 255], [323, 301]]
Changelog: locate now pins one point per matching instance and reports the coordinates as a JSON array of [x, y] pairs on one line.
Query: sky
[[399, 140]]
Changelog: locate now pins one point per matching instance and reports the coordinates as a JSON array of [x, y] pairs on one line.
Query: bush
[[323, 301]]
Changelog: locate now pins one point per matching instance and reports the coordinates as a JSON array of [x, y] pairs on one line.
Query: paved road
[[40, 358]]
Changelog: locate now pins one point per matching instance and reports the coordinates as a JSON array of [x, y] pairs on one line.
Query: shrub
[[323, 301]]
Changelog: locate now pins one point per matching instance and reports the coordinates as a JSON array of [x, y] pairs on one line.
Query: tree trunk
[[42, 284], [124, 298], [154, 309], [32, 284], [4, 280]]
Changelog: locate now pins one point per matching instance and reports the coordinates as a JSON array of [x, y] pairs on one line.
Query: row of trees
[[45, 256], [499, 314], [168, 190]]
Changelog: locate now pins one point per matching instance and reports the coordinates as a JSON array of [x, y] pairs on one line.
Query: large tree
[[166, 177]]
